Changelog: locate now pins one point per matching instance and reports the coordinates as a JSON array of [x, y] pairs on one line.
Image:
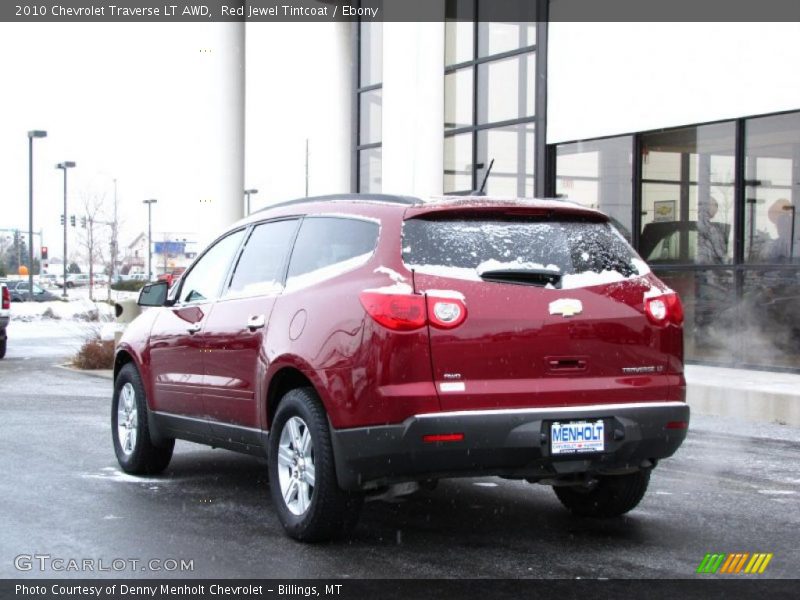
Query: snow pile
[[74, 310]]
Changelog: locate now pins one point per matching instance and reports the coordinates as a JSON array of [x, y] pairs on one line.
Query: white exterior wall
[[299, 86], [413, 108], [614, 78]]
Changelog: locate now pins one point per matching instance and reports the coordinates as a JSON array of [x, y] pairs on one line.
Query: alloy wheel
[[296, 465]]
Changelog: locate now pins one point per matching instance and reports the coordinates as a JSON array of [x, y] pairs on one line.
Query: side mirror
[[153, 294]]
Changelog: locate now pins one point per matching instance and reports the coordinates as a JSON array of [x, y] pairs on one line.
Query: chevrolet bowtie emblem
[[566, 307]]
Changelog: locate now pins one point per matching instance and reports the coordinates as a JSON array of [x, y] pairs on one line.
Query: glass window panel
[[769, 318], [495, 37], [204, 281], [370, 115], [260, 266], [507, 89], [711, 330], [327, 247], [459, 35], [660, 166], [598, 175], [458, 163], [371, 53], [512, 149], [369, 170], [772, 175], [690, 220], [458, 99]]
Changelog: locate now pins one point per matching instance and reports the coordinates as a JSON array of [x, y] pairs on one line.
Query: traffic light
[[83, 222], [72, 220], [44, 252], [62, 219]]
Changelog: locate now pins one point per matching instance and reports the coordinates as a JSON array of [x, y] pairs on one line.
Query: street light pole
[[149, 236], [247, 194], [67, 164], [31, 135]]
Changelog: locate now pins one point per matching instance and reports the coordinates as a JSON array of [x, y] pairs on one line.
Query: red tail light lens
[[664, 309], [399, 312], [407, 312], [6, 298]]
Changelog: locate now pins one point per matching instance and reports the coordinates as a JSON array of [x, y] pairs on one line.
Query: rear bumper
[[3, 324], [511, 443]]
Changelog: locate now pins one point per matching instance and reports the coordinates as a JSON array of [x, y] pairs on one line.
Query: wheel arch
[[285, 377]]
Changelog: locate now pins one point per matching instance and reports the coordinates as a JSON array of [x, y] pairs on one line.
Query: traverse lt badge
[[566, 307]]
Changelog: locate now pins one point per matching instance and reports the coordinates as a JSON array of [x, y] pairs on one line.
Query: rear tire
[[135, 450], [614, 495], [302, 475], [3, 345]]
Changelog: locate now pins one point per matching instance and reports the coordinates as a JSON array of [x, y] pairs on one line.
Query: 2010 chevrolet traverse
[[365, 341]]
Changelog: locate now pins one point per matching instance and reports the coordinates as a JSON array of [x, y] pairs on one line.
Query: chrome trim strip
[[206, 421], [549, 411]]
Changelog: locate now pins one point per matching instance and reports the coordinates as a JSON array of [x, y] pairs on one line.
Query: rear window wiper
[[522, 276]]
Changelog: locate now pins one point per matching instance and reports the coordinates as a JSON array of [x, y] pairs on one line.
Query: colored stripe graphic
[[733, 563]]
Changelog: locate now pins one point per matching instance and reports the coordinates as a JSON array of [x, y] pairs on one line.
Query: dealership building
[[686, 134]]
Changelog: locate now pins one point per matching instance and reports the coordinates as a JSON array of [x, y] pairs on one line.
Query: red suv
[[366, 341]]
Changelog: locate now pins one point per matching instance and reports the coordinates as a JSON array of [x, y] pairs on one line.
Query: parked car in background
[[172, 276], [74, 280], [20, 292], [49, 279], [5, 316], [361, 342]]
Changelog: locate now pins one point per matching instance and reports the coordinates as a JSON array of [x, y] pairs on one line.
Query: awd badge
[[566, 307]]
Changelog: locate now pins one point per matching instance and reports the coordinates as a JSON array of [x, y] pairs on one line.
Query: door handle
[[256, 322], [194, 328]]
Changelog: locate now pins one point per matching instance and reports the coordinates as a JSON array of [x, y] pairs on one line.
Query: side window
[[328, 246], [260, 266], [205, 279]]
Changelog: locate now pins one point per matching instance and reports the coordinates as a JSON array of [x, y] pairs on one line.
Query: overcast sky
[[127, 101]]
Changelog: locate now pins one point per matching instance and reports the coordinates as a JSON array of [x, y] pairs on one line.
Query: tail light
[[6, 298], [407, 312], [445, 312], [664, 309]]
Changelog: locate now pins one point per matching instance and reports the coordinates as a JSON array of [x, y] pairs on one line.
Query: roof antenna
[[481, 191]]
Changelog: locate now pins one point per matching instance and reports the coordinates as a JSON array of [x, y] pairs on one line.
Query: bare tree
[[93, 240]]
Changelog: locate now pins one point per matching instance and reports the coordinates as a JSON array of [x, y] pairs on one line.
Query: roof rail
[[386, 198]]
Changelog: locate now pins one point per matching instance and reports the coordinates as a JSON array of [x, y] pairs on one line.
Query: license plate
[[577, 437]]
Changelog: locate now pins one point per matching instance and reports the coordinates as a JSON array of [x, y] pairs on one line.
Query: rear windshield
[[577, 252]]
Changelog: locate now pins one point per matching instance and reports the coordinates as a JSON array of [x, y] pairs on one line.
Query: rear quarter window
[[579, 252], [329, 246]]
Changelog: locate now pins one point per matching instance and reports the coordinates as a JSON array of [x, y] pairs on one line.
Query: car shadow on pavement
[[479, 511]]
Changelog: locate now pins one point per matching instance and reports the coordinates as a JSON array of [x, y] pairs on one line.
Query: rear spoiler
[[466, 207]]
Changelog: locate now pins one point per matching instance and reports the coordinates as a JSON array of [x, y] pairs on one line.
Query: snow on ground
[[73, 310], [78, 317]]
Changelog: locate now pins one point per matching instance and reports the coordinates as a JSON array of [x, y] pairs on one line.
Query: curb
[[99, 373]]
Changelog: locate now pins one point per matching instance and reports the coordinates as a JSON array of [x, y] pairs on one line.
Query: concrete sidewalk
[[753, 395]]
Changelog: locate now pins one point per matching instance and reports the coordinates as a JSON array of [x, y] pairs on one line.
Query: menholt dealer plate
[[577, 437]]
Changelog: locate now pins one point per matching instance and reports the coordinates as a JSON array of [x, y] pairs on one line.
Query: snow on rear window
[[582, 252]]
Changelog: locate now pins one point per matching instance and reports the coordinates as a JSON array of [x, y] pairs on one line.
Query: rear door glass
[[261, 264], [329, 246], [575, 252]]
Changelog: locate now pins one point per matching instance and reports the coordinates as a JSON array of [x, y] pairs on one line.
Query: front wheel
[[302, 476], [135, 450], [611, 496]]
